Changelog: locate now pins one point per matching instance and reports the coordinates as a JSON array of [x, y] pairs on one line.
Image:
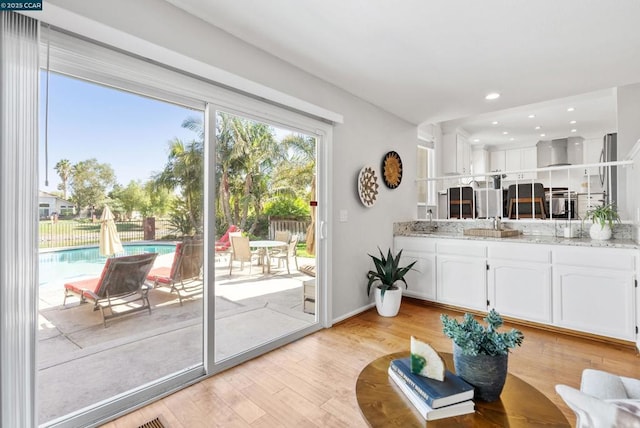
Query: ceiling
[[431, 61]]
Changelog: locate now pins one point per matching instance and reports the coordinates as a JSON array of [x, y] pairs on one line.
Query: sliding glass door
[[265, 259], [143, 193], [141, 160]]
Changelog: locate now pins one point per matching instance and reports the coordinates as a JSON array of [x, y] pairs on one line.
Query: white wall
[[628, 133], [365, 136]]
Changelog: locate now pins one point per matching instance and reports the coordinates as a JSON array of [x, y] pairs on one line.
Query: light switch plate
[[344, 216]]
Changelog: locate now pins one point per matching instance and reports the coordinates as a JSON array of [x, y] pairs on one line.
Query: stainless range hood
[[562, 151]]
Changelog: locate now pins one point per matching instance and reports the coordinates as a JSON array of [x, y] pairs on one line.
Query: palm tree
[[64, 169], [254, 154], [184, 172]]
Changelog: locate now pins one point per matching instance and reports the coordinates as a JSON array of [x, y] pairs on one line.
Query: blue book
[[427, 412], [434, 392]]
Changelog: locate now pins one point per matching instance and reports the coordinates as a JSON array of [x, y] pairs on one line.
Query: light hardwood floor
[[312, 382]]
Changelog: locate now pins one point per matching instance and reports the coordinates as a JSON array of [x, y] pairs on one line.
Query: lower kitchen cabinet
[[585, 289], [462, 281], [461, 273], [520, 290], [594, 291], [519, 281], [421, 279], [598, 301]]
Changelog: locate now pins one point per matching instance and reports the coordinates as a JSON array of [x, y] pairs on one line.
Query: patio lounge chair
[[185, 273], [121, 283], [224, 243]]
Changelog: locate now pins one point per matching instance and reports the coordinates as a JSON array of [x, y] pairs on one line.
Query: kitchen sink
[[492, 233]]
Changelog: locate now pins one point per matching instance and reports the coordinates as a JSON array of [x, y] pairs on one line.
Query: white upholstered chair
[[604, 400]]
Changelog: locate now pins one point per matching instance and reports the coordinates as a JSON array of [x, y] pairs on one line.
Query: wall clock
[[367, 186], [392, 170]]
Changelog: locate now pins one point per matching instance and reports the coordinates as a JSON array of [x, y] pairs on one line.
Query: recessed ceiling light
[[511, 139], [574, 130], [537, 127], [572, 122], [492, 96], [476, 140], [505, 133], [571, 109], [543, 135], [495, 122], [531, 116]]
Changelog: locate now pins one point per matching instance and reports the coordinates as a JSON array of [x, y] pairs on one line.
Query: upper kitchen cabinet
[[456, 153], [479, 162], [519, 159], [497, 160]]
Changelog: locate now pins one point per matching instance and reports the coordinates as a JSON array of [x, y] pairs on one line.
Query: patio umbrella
[[311, 238], [109, 240]]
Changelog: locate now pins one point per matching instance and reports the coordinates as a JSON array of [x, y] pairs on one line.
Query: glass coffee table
[[383, 404]]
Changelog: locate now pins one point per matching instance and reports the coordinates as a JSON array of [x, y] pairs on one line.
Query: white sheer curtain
[[18, 217]]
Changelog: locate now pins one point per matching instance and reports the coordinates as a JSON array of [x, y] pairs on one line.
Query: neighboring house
[[48, 204]]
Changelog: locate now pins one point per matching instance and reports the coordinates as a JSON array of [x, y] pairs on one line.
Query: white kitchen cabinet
[[462, 274], [519, 281], [519, 159], [456, 154], [497, 160], [421, 279], [479, 162], [594, 291], [463, 154]]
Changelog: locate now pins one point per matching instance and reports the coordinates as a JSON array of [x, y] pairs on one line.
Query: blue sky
[[127, 131]]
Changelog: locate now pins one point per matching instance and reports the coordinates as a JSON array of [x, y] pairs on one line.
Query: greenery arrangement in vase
[[603, 218], [480, 354], [388, 272]]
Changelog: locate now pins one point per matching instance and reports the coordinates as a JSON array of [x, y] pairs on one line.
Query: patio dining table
[[265, 245]]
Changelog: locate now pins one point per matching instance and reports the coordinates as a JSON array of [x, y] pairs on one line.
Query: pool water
[[59, 267]]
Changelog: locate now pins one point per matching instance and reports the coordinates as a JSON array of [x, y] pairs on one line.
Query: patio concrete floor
[[80, 362]]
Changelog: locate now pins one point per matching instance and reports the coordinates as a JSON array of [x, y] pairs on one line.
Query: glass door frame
[[121, 68], [322, 132]]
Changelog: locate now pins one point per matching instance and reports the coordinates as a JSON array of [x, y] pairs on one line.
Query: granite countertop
[[533, 239]]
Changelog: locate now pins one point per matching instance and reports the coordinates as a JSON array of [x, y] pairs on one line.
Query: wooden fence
[[293, 225]]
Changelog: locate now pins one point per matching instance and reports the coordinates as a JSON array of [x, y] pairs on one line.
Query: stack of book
[[434, 399]]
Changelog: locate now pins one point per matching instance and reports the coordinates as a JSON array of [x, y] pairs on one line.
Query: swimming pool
[[58, 267]]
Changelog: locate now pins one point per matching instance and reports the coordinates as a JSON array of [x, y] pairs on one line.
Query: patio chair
[[185, 273], [121, 284], [286, 255], [241, 252], [282, 236]]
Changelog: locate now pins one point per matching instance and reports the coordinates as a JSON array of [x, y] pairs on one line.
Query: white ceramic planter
[[600, 233], [390, 305]]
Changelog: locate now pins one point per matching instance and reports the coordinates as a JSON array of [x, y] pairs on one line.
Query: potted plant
[[480, 354], [387, 275], [602, 218]]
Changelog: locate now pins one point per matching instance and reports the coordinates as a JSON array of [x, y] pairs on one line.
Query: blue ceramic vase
[[487, 373]]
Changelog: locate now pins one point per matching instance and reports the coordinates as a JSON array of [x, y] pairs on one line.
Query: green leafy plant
[[387, 272], [605, 214], [475, 339]]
